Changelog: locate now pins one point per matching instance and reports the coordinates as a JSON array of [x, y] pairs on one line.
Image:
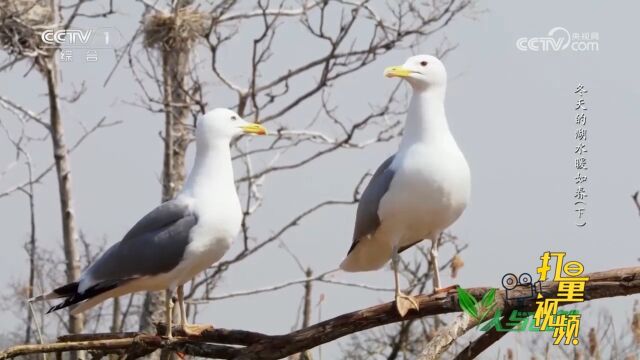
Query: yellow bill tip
[[254, 129], [396, 71]]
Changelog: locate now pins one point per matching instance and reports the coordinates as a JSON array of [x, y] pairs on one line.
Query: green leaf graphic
[[486, 311], [487, 303], [467, 302], [488, 298]]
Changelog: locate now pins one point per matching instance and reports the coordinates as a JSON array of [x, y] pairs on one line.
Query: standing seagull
[[178, 239], [420, 190]]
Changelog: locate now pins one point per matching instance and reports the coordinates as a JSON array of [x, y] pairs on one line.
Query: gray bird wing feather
[[367, 220], [154, 245]]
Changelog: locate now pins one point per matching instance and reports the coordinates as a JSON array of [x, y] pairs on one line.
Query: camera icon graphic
[[511, 282]]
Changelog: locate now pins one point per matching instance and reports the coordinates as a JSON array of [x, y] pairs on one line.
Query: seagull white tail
[[72, 296], [91, 302], [367, 256]]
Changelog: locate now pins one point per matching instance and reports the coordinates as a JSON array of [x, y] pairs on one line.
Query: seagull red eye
[[423, 63]]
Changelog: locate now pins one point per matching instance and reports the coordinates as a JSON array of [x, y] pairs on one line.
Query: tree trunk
[[176, 141], [63, 172], [31, 247], [306, 315]]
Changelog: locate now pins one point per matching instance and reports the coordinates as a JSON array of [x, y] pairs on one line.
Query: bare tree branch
[[605, 284]]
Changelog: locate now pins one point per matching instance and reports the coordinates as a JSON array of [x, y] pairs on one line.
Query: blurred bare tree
[[21, 24]]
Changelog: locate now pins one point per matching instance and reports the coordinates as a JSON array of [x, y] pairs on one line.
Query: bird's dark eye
[[423, 63], [234, 118]]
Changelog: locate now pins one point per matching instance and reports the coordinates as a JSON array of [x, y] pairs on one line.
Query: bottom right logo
[[565, 324]]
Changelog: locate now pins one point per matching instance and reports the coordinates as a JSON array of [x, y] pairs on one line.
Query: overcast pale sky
[[511, 111]]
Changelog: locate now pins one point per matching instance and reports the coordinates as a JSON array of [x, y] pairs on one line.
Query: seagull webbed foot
[[404, 303], [194, 329]]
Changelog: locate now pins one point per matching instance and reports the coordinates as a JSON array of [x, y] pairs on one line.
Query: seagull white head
[[421, 71], [223, 125]]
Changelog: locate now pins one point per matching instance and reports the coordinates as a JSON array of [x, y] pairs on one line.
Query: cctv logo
[[70, 37]]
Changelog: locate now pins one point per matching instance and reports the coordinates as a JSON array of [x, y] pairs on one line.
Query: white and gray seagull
[[178, 239], [420, 190]]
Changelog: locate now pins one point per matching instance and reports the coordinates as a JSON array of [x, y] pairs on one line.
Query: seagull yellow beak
[[397, 71], [254, 129]]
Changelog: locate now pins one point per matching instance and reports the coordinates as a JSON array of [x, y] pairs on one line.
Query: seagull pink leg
[[437, 289], [168, 306], [404, 302], [189, 329]]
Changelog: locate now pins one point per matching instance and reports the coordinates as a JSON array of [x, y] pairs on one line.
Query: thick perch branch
[[251, 345]]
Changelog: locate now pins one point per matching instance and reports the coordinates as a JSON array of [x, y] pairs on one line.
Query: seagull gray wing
[[154, 245], [367, 220]]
